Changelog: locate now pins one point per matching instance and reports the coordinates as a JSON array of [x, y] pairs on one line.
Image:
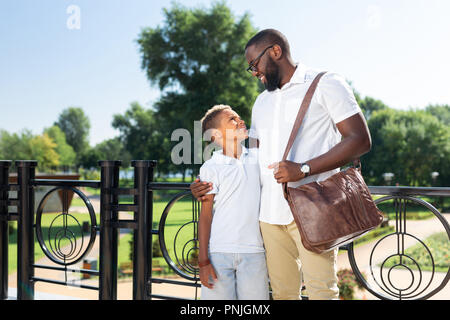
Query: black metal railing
[[29, 224], [181, 263], [383, 289], [390, 253], [375, 274]]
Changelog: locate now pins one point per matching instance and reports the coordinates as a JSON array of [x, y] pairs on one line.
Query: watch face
[[305, 168]]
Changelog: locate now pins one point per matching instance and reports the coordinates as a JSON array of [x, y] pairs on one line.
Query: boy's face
[[232, 127]]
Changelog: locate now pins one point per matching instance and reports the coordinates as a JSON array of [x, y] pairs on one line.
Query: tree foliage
[[75, 125], [43, 149], [26, 146], [141, 136], [63, 149], [109, 149], [410, 144], [197, 59], [442, 112]]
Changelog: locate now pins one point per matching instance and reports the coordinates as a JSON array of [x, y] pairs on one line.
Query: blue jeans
[[240, 276]]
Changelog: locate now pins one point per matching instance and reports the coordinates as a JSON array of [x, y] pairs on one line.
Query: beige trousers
[[287, 260]]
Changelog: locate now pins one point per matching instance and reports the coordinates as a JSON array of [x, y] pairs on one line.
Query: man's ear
[[276, 53]]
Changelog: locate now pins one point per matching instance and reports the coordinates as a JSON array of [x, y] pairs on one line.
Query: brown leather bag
[[332, 212]]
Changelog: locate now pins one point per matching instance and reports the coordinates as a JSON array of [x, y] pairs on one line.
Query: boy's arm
[[204, 231]]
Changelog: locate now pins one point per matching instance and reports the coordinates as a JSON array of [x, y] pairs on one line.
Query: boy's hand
[[205, 273], [200, 188], [286, 171]]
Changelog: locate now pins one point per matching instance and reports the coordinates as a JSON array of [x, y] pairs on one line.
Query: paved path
[[420, 228]]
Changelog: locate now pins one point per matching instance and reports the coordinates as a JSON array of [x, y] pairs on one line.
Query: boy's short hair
[[209, 120]]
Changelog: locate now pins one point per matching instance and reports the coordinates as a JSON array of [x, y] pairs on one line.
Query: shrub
[[346, 284], [156, 249]]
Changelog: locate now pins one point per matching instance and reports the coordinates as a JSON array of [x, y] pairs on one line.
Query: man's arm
[[204, 232], [200, 188], [355, 142]]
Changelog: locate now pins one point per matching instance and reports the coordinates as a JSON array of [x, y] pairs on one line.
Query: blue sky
[[396, 51]]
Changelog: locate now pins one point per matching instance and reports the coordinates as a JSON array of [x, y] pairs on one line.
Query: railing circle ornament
[[183, 265], [382, 272], [64, 241]]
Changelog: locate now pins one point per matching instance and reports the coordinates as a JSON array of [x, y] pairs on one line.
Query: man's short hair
[[270, 37], [210, 120]]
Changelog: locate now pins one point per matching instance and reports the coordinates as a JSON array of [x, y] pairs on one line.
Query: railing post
[[4, 231], [25, 232], [109, 179], [142, 254]]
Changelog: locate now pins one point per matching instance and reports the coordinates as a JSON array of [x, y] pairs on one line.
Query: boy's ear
[[215, 134], [211, 134]]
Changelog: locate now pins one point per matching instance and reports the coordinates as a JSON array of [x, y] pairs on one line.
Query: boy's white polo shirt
[[236, 185]]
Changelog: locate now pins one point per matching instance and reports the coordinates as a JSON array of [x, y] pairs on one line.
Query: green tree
[[442, 112], [113, 149], [26, 146], [141, 136], [370, 105], [110, 149], [15, 146], [197, 59], [367, 104], [410, 144], [65, 151], [75, 124], [43, 149]]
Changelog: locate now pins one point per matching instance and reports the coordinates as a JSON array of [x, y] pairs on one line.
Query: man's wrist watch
[[305, 168]]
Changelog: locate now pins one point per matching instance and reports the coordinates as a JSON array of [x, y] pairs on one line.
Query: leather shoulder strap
[[301, 113], [298, 121]]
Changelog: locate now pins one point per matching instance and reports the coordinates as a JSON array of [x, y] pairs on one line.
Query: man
[[333, 133]]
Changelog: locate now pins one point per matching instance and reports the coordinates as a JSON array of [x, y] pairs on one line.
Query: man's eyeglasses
[[252, 65]]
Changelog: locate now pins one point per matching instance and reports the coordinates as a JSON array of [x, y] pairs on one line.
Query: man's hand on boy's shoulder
[[200, 188], [286, 171]]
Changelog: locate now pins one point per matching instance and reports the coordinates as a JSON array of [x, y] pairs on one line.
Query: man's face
[[267, 71]]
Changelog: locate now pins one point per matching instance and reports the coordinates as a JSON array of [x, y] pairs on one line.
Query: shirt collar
[[219, 154], [299, 74]]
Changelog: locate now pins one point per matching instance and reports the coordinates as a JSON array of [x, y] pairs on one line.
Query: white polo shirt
[[236, 185], [273, 116]]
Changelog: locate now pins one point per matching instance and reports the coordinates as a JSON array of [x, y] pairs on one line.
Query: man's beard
[[272, 76]]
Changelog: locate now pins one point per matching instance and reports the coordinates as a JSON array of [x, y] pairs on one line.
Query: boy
[[231, 253]]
